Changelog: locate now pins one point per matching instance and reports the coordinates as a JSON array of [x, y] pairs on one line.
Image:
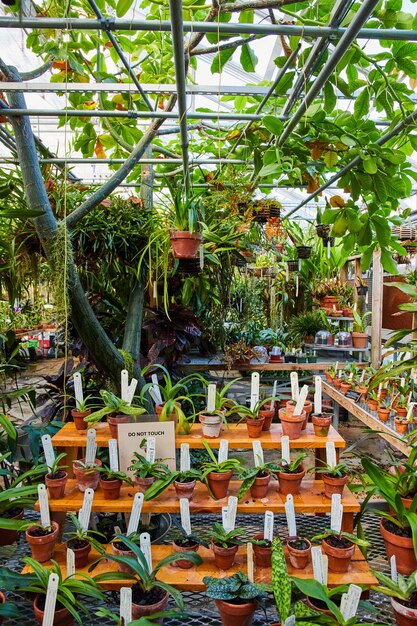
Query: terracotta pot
[[401, 411], [337, 382], [362, 389], [401, 426], [310, 603], [211, 425], [236, 614], [260, 487], [339, 558], [254, 427], [141, 610], [184, 490], [321, 424], [334, 485], [372, 405], [185, 244], [111, 488], [62, 617], [290, 483], [344, 387], [7, 537], [329, 378], [56, 486], [298, 558], [183, 563], [144, 483], [291, 424], [328, 301], [268, 415], [403, 549], [262, 554], [85, 477], [42, 547], [218, 483], [383, 413], [121, 567], [81, 555], [347, 312], [224, 557], [404, 616], [383, 394], [78, 417], [360, 340], [307, 408], [114, 420], [173, 417]]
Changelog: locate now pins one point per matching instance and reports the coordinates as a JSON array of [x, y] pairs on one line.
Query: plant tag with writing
[[394, 572], [285, 450], [225, 511], [90, 454], [294, 386], [317, 563], [325, 567], [269, 525], [379, 390], [48, 451], [302, 397], [44, 506], [254, 390], [156, 389], [337, 513], [231, 512], [85, 511], [135, 514], [317, 394], [223, 451], [211, 398], [185, 515], [113, 455], [330, 454], [274, 395], [50, 600], [126, 605], [145, 546], [363, 375], [410, 410], [130, 393], [124, 384], [150, 449], [185, 457], [249, 553], [258, 453], [78, 390], [290, 514], [70, 562], [340, 374], [352, 601], [290, 621]]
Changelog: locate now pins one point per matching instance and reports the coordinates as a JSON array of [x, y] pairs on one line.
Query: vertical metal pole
[[377, 302]]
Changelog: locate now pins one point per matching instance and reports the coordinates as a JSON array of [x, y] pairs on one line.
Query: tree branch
[[226, 46], [38, 72]]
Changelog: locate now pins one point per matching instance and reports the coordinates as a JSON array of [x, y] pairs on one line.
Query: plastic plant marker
[[44, 506], [231, 512], [337, 513], [48, 451], [328, 249], [317, 395], [290, 514], [153, 395], [325, 568], [124, 384], [225, 510], [156, 389], [113, 455], [290, 621], [379, 390], [117, 530], [185, 457], [211, 398], [330, 454], [201, 256], [410, 410], [145, 546], [274, 395], [336, 367], [269, 525], [249, 557], [294, 386], [296, 284], [287, 274], [134, 518], [185, 515], [150, 449], [131, 391], [363, 375], [343, 601], [258, 453], [394, 572], [352, 601], [155, 290], [223, 451], [70, 562], [340, 374], [126, 605], [316, 555], [254, 390], [302, 397], [285, 449], [78, 390], [90, 454], [50, 600], [85, 511]]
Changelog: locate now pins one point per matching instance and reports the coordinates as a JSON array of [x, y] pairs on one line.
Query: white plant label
[[78, 390], [317, 563], [340, 374], [294, 386], [225, 511], [126, 605], [402, 382], [231, 512], [124, 383], [352, 601], [301, 400], [379, 390], [145, 546], [351, 376], [44, 506], [156, 389], [131, 391], [223, 451], [113, 455], [48, 451], [185, 515], [394, 572], [117, 530], [269, 525], [185, 457], [330, 454], [50, 600], [336, 367], [290, 514], [337, 513], [274, 394], [70, 562], [211, 398], [201, 256], [410, 411], [90, 454], [258, 453], [317, 395], [150, 449], [153, 395], [249, 553], [290, 621], [343, 601], [134, 518], [85, 511], [325, 568], [285, 449], [254, 390], [363, 375]]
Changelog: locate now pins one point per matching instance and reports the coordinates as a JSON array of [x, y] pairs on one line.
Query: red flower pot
[[218, 483], [78, 417], [334, 484], [42, 547], [339, 558], [403, 549], [56, 486], [111, 488], [185, 244], [113, 422], [260, 487], [224, 557], [291, 483], [254, 427], [236, 614]]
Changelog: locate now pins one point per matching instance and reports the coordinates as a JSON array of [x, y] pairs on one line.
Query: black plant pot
[[362, 290], [322, 230], [329, 240], [290, 358], [304, 252], [293, 266], [189, 266]]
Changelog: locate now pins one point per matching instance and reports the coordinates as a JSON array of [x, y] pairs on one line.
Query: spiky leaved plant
[[281, 583]]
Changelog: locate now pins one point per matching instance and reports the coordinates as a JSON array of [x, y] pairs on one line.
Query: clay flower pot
[[7, 537], [211, 425], [362, 389], [121, 567], [403, 549], [236, 614], [111, 488], [401, 411], [401, 425], [184, 244], [329, 377], [144, 483], [404, 616], [141, 610], [62, 617], [344, 387], [299, 558], [268, 415], [183, 563], [184, 490], [224, 557], [78, 417], [291, 424], [334, 484], [321, 424], [307, 408], [262, 554], [81, 555], [337, 382], [291, 483], [113, 422], [339, 558], [42, 547], [173, 417], [56, 486], [383, 413], [372, 404], [254, 426], [260, 487], [360, 340], [218, 483], [86, 477]]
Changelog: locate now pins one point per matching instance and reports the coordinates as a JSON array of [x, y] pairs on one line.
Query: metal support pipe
[[114, 24], [95, 161], [363, 13], [195, 115]]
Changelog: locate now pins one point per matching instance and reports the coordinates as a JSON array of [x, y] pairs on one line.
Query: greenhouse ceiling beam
[[195, 115], [97, 161], [410, 120], [114, 24], [362, 15]]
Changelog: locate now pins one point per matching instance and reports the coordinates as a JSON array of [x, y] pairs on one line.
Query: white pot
[[211, 425]]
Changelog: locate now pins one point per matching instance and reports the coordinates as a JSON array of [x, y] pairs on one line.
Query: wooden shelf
[[313, 346], [260, 367], [191, 579]]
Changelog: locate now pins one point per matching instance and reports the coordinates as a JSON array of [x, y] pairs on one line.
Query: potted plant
[[359, 334], [42, 540], [211, 423], [361, 286], [262, 551], [184, 219], [87, 476], [257, 479], [401, 424], [217, 475], [290, 475], [304, 326], [340, 548], [184, 542], [281, 583], [118, 411], [81, 541], [236, 598], [334, 478], [307, 408], [254, 421], [373, 400], [56, 478], [330, 373], [238, 353], [225, 543], [402, 594], [321, 423], [184, 483], [299, 552], [291, 424], [146, 473], [78, 414], [111, 482], [345, 385], [400, 405]]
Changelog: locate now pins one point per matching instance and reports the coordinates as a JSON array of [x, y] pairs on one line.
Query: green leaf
[[220, 60], [330, 158], [388, 263], [361, 106], [268, 170], [123, 7], [348, 141], [369, 165], [273, 124], [248, 58], [407, 66], [329, 98]]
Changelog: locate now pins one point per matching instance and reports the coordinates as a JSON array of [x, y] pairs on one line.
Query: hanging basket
[[185, 244], [362, 290], [328, 240], [405, 232], [411, 247], [189, 266], [322, 230], [292, 265], [264, 211], [304, 252]]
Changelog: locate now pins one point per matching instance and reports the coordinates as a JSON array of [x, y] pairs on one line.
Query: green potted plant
[[118, 411], [111, 482], [254, 421], [184, 220], [225, 544], [334, 478], [384, 410], [304, 326], [236, 598], [340, 548], [238, 353], [400, 405], [56, 478], [359, 334], [291, 474], [81, 411], [256, 480], [86, 475], [299, 551], [402, 595], [401, 424], [373, 400], [184, 483], [321, 423], [146, 472], [217, 476], [81, 541], [211, 423], [42, 540], [292, 425], [184, 542]]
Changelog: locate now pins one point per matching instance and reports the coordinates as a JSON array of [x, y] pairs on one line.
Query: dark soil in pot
[[56, 484], [396, 530], [338, 542], [299, 544], [8, 537], [62, 617], [154, 601], [81, 550], [184, 545]]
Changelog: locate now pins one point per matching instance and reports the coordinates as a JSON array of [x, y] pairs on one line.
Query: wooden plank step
[[191, 579]]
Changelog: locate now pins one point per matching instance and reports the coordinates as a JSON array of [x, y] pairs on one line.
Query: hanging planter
[[405, 232], [292, 265], [322, 230], [303, 252], [190, 266], [362, 290], [265, 209], [185, 244]]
